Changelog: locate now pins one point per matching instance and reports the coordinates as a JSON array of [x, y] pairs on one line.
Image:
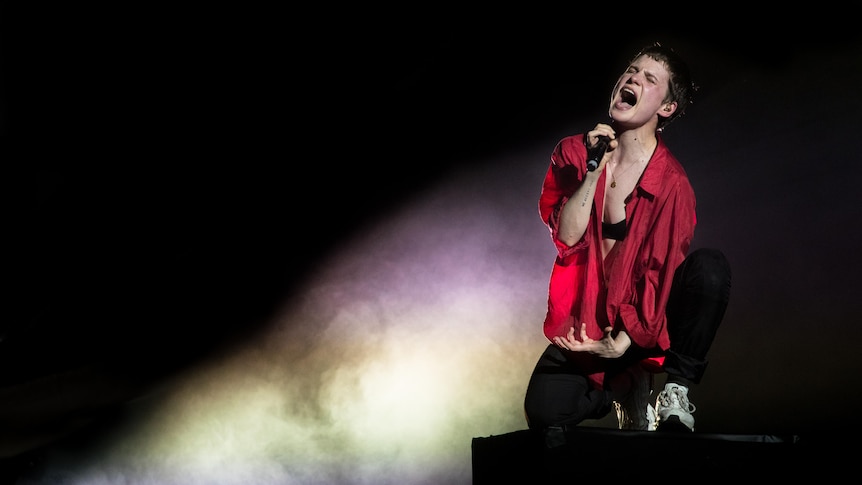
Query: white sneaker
[[674, 410]]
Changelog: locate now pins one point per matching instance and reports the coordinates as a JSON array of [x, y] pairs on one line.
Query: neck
[[635, 147]]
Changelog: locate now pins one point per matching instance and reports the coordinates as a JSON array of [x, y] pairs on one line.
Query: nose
[[635, 78]]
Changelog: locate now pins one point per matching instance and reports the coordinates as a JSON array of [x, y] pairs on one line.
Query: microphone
[[595, 154]]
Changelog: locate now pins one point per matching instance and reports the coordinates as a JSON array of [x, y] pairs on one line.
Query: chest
[[616, 193]]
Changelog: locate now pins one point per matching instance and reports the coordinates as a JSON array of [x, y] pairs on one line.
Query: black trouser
[[559, 393]]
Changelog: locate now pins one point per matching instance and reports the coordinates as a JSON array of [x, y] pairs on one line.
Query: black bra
[[614, 231]]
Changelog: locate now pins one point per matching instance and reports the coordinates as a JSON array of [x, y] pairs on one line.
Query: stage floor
[[527, 456]]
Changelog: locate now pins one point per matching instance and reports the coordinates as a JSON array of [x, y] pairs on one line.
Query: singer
[[626, 299]]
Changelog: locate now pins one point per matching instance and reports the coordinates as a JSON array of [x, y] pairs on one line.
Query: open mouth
[[628, 96]]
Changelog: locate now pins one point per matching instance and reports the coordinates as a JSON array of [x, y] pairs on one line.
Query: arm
[[575, 214], [568, 191]]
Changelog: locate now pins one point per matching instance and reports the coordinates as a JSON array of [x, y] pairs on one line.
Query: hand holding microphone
[[603, 134], [596, 152]]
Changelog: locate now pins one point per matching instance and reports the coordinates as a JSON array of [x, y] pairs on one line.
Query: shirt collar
[[653, 175]]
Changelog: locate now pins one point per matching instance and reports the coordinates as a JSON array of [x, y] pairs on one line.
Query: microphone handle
[[595, 154]]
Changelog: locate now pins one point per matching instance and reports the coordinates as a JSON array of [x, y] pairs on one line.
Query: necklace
[[614, 177]]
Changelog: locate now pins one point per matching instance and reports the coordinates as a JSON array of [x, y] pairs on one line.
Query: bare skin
[[607, 346]]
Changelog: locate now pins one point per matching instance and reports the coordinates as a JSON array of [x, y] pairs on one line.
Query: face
[[640, 92]]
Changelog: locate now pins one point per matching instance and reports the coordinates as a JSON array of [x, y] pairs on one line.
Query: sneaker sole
[[673, 425]]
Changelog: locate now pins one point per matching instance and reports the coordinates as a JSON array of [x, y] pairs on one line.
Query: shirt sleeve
[[565, 174]]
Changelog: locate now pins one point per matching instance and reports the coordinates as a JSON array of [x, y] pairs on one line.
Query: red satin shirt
[[630, 288]]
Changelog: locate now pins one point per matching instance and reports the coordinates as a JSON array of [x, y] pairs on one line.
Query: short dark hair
[[681, 88]]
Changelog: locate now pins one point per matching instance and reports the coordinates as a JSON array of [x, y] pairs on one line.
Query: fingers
[[564, 343], [608, 337], [601, 130], [583, 332], [571, 342]]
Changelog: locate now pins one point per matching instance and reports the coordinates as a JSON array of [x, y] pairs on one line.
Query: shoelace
[[676, 398]]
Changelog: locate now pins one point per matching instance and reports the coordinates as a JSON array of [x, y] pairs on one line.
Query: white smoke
[[413, 338]]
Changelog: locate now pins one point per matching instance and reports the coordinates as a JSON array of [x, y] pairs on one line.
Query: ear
[[668, 109]]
